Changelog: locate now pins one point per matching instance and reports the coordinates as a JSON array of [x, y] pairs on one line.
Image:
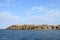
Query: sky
[[16, 12]]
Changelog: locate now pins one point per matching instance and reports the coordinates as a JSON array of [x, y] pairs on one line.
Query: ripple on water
[[29, 35]]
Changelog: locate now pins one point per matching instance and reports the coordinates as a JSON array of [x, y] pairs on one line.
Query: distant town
[[33, 27]]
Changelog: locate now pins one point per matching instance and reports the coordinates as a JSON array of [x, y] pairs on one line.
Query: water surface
[[29, 34]]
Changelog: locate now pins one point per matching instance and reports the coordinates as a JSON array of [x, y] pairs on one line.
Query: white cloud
[[38, 8], [5, 2], [53, 13], [6, 18], [47, 16]]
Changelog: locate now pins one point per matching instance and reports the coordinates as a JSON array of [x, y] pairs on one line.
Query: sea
[[29, 34]]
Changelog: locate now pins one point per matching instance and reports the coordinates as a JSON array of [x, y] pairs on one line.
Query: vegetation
[[33, 27]]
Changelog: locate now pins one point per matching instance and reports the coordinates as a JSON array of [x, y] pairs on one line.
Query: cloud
[[6, 18], [53, 13], [44, 15], [5, 2], [38, 8], [47, 16]]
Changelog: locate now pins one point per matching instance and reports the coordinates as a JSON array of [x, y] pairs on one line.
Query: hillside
[[32, 27]]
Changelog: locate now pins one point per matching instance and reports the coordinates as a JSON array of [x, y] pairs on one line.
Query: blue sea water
[[29, 34]]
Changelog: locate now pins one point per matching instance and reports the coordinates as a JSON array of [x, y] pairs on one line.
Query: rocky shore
[[33, 27]]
